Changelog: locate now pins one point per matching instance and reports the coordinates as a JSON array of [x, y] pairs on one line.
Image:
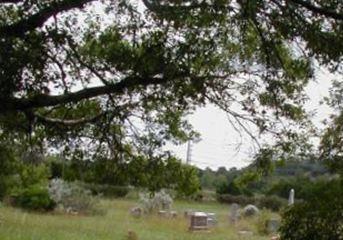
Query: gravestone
[[173, 214], [250, 210], [198, 221], [273, 225], [234, 213], [211, 219], [291, 197], [136, 212], [163, 213]]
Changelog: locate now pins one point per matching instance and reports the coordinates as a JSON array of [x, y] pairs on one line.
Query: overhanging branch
[[67, 122], [43, 100], [320, 10], [38, 19]]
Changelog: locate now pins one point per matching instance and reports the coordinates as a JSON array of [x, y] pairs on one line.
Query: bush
[[273, 203], [108, 190], [34, 197], [71, 197], [317, 218], [232, 188], [262, 223], [160, 201], [230, 199], [270, 202]]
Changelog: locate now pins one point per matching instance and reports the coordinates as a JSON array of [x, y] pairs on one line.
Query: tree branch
[[156, 7], [323, 11], [67, 122], [38, 19], [43, 100], [10, 1]]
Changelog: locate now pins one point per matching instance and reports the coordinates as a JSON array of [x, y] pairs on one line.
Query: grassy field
[[115, 223]]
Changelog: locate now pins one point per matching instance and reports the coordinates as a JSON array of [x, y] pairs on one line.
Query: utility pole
[[189, 152]]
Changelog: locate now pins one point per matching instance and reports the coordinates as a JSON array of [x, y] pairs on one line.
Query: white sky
[[219, 140]]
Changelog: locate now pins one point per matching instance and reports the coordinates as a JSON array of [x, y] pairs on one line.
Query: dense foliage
[[319, 218], [115, 79], [273, 203], [35, 197], [108, 83], [71, 197]]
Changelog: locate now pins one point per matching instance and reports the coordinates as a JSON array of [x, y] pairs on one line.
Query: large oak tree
[[120, 75]]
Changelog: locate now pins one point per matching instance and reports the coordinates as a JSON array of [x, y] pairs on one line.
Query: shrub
[[270, 202], [160, 201], [71, 197], [262, 223], [230, 199], [273, 203], [317, 218], [232, 188], [108, 190], [34, 197]]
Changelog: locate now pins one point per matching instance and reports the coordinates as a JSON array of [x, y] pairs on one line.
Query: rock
[[250, 210], [276, 237], [131, 235]]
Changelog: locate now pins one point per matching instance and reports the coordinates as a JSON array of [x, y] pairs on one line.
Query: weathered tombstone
[[211, 219], [173, 214], [250, 210], [136, 212], [198, 221], [272, 225], [234, 213], [163, 213], [291, 197]]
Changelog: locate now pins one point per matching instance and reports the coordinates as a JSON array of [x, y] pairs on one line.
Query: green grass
[[115, 223]]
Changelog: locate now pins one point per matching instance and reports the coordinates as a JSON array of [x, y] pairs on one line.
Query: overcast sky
[[218, 146]]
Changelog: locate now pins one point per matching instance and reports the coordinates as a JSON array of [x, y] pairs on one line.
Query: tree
[[117, 77]]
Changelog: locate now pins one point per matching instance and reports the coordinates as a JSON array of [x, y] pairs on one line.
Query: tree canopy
[[118, 77]]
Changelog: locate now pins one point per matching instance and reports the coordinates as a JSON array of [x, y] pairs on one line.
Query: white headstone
[[291, 197]]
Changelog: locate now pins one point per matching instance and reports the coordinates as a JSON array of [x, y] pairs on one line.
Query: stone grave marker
[[234, 213], [163, 213], [250, 210], [136, 212], [198, 221], [273, 225], [291, 197], [173, 214], [211, 219]]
